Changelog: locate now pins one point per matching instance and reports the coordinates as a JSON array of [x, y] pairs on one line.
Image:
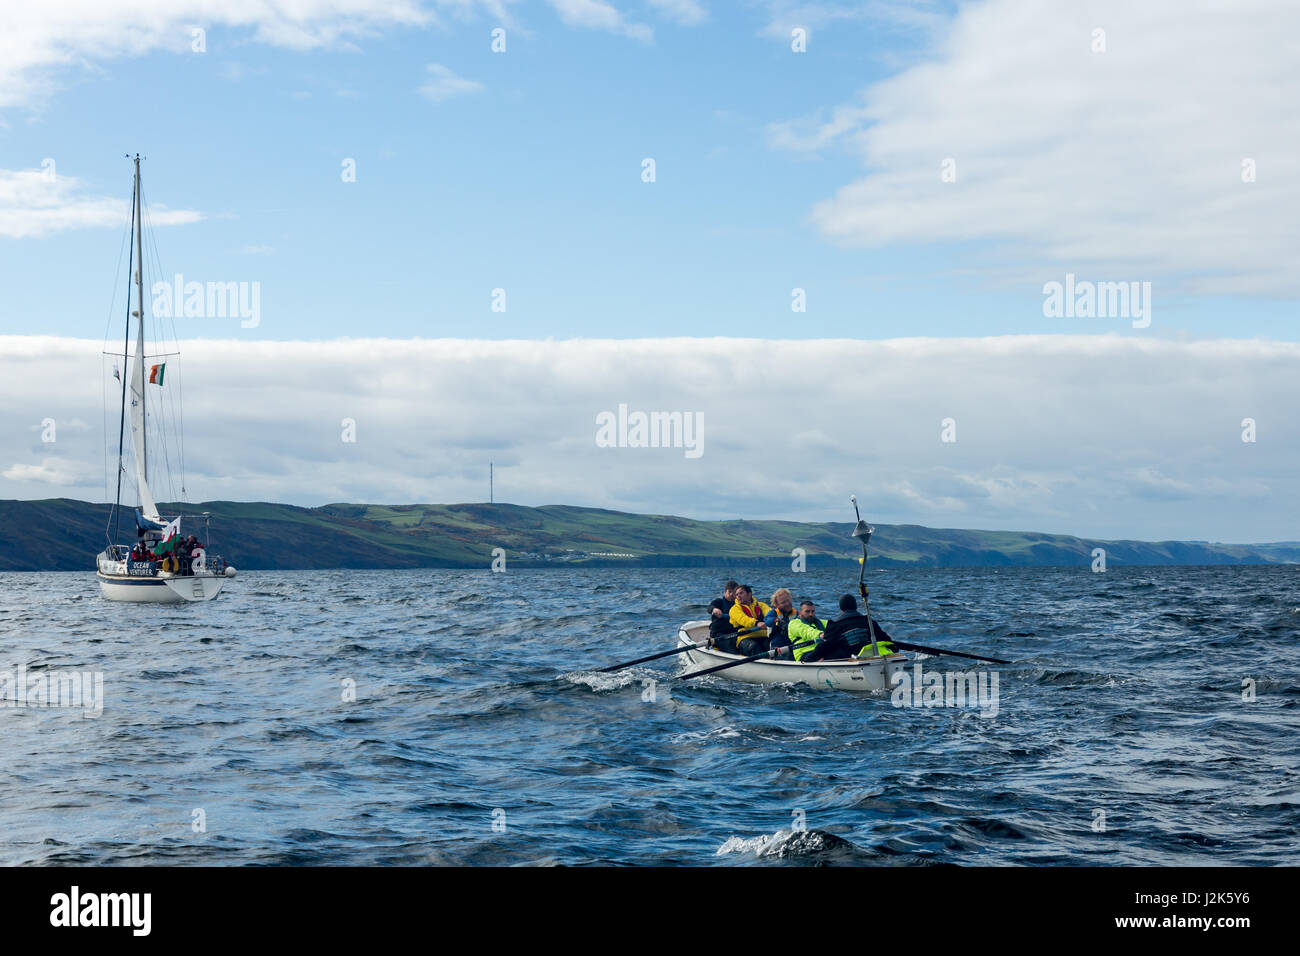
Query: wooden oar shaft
[[903, 645], [675, 650]]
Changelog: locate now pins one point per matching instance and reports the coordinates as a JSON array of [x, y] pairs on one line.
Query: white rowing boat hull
[[856, 676]]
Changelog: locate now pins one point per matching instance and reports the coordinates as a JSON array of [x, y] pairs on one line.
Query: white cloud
[[785, 15], [41, 42], [34, 204], [1123, 164], [599, 15], [49, 471], [39, 39], [443, 84], [685, 12], [1105, 436]]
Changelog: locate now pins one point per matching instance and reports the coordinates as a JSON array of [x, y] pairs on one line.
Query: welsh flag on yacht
[[169, 536], [156, 373]]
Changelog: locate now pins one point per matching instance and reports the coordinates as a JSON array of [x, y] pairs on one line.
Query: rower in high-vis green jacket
[[805, 628]]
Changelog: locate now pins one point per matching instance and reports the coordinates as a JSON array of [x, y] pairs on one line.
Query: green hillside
[[62, 534]]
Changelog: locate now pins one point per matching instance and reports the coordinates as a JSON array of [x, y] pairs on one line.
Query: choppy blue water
[[480, 734]]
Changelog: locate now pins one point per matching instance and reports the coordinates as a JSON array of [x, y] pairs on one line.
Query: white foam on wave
[[774, 845], [717, 732], [603, 682], [754, 845]]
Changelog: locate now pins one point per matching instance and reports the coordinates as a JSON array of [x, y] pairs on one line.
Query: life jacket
[[816, 623], [745, 616], [862, 636], [777, 626]]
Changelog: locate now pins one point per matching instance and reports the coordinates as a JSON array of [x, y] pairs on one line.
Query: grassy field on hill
[[62, 534]]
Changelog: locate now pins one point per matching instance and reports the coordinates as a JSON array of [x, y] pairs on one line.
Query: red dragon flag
[[156, 374], [170, 537]]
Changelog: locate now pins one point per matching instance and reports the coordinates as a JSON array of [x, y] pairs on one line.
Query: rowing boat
[[858, 676]]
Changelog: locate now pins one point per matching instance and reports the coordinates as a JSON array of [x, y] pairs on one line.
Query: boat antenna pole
[[126, 348], [863, 531]]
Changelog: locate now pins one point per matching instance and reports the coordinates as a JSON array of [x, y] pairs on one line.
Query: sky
[[854, 215]]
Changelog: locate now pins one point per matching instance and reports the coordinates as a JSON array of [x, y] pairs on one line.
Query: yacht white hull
[[865, 676], [160, 589]]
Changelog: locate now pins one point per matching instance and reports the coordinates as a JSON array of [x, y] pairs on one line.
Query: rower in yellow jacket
[[747, 613]]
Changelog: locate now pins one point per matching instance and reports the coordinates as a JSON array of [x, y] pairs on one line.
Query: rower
[[778, 620], [806, 629], [852, 634], [748, 614], [721, 634], [721, 607]]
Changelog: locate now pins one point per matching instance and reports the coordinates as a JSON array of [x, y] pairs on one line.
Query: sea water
[[1150, 716]]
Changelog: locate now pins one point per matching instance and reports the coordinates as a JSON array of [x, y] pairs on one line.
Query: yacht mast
[[139, 305], [138, 380]]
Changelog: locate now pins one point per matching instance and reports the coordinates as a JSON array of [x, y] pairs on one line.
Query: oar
[[743, 660], [675, 650], [939, 650]]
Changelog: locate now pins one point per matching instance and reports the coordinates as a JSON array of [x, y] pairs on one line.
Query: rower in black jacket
[[722, 634], [848, 634]]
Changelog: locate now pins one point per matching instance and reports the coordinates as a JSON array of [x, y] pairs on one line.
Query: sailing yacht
[[128, 573]]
